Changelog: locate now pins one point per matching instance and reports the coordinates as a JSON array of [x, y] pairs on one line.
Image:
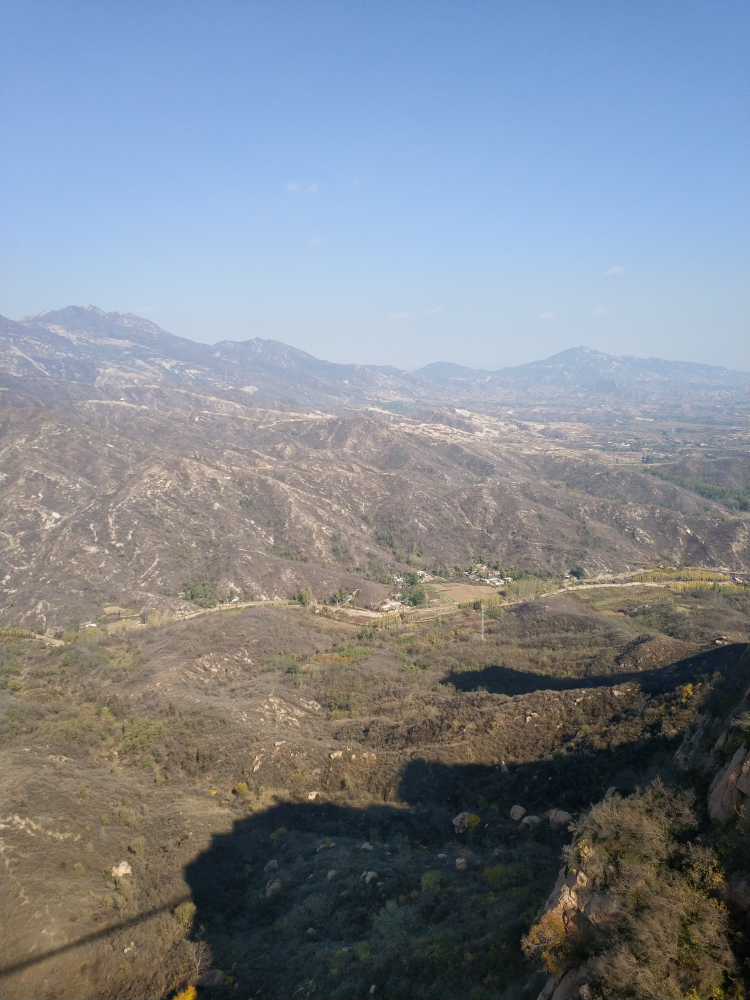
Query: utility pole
[[482, 607]]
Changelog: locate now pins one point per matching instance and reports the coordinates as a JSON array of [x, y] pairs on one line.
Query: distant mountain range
[[135, 461], [113, 351]]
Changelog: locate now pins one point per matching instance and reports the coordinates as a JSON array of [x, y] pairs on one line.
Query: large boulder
[[466, 821], [517, 813], [461, 822], [737, 891], [211, 978], [559, 819]]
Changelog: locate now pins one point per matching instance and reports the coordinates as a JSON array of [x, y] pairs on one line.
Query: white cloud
[[435, 311], [317, 241], [293, 186], [313, 187], [543, 316], [398, 315], [601, 313], [614, 272]]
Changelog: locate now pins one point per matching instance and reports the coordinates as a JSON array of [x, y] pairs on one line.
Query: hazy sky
[[385, 182]]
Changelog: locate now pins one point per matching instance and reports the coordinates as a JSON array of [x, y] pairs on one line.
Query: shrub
[[493, 874], [283, 551], [189, 993], [386, 538], [201, 593], [431, 880], [417, 597], [240, 788], [137, 846], [305, 597], [140, 735], [78, 870], [248, 503], [184, 914]]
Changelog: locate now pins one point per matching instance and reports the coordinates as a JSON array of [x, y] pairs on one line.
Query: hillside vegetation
[[283, 785]]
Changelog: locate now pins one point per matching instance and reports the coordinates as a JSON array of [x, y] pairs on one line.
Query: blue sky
[[385, 182]]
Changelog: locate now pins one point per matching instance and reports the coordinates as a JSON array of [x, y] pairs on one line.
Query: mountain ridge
[[135, 461], [85, 343]]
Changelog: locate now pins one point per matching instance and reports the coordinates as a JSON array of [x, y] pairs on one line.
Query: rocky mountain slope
[[134, 463], [85, 344], [121, 502]]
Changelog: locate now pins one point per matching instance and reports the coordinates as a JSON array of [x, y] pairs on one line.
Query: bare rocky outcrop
[[729, 792], [570, 986], [630, 889]]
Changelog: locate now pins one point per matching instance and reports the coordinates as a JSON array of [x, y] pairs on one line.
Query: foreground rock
[[729, 793]]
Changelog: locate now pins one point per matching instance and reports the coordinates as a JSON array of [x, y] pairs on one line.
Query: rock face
[[730, 789], [577, 910]]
